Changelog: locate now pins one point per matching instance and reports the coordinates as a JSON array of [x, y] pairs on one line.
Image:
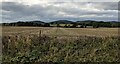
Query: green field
[[51, 44]]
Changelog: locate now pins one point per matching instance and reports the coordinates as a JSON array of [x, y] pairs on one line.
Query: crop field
[[99, 32], [52, 44]]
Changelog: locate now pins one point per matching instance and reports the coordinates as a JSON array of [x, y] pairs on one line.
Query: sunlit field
[[45, 44]]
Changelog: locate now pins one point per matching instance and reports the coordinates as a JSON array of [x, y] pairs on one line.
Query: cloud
[[36, 1], [50, 11]]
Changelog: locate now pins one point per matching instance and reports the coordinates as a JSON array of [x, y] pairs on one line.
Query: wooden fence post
[[40, 33]]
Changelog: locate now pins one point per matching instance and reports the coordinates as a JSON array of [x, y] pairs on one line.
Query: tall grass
[[34, 48]]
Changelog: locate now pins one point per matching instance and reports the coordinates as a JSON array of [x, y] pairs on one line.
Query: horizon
[[61, 19]]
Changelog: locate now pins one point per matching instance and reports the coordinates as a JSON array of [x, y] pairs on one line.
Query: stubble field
[[99, 32]]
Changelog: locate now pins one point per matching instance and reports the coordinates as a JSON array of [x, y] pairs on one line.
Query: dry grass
[[22, 30], [100, 32], [103, 32]]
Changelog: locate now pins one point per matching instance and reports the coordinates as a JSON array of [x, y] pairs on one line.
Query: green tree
[[95, 25], [46, 25], [65, 26], [58, 25], [74, 25]]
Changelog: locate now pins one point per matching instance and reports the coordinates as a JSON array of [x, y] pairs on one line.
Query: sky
[[47, 11]]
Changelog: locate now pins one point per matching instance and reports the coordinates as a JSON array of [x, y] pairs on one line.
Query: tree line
[[73, 25], [26, 24]]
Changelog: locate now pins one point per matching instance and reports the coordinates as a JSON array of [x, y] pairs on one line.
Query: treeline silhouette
[[26, 24], [66, 24]]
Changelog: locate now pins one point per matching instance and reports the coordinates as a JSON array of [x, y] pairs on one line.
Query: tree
[[85, 26], [95, 25], [81, 26], [65, 26], [69, 26], [74, 25], [46, 25], [58, 25]]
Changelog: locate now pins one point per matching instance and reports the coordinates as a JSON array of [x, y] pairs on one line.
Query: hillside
[[38, 22], [62, 22]]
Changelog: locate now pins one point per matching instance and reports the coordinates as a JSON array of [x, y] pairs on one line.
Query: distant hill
[[37, 22], [61, 22], [25, 23], [81, 23], [86, 21], [91, 21]]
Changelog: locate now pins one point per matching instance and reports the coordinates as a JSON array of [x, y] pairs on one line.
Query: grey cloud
[[12, 11], [107, 5]]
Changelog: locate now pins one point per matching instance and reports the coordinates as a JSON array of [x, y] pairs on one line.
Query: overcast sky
[[46, 10]]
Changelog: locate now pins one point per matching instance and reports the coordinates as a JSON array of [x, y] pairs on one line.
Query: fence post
[[40, 33]]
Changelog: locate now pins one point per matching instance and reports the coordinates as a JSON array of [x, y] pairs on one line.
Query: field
[[45, 44], [53, 31]]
